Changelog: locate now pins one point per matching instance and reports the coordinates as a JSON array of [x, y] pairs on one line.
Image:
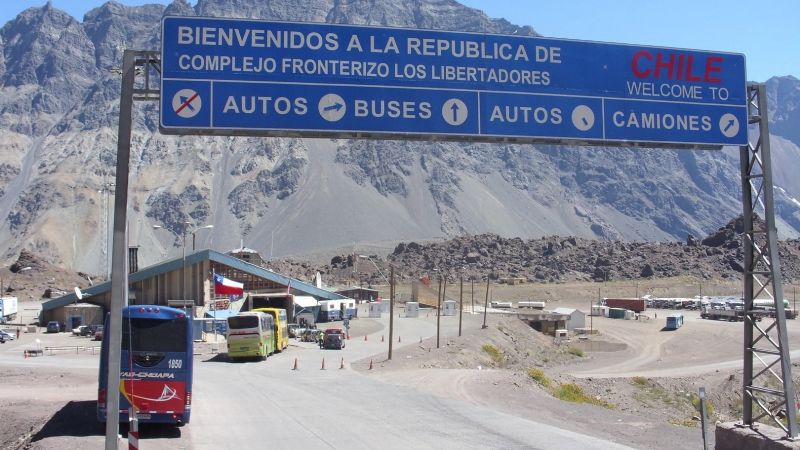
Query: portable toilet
[[412, 309], [375, 310], [449, 308], [385, 305]]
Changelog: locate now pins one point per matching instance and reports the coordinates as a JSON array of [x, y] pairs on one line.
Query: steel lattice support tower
[[768, 390]]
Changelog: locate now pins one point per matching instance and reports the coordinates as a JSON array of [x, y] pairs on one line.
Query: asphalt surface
[[267, 404]]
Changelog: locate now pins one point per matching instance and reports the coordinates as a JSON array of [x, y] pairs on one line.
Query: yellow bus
[[250, 335], [281, 326]]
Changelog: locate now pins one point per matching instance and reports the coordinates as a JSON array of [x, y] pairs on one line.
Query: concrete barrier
[[733, 436]]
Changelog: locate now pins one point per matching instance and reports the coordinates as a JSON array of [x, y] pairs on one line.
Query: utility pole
[[473, 294], [438, 310], [391, 309], [486, 303], [460, 302]]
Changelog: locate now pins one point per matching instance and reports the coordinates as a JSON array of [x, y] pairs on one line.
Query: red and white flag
[[224, 286]]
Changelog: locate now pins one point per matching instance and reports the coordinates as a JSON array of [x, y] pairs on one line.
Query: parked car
[[53, 327], [98, 334], [6, 336], [91, 330], [333, 341], [80, 330], [293, 327]]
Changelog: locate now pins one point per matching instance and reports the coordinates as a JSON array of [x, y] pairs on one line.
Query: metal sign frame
[[768, 345]]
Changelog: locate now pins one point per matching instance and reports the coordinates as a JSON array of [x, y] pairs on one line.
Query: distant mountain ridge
[[59, 104]]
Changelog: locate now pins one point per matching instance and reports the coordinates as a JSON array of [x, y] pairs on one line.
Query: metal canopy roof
[[298, 287]]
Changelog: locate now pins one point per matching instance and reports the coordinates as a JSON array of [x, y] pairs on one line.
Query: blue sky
[[772, 46]]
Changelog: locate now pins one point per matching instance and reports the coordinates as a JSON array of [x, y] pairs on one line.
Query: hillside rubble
[[552, 259]]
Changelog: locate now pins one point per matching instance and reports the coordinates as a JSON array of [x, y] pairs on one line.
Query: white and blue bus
[[156, 365]]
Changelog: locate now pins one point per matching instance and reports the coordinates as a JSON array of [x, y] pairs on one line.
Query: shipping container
[[634, 304], [616, 313], [674, 321]]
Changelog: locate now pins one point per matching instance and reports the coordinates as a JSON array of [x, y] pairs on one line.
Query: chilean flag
[[224, 286]]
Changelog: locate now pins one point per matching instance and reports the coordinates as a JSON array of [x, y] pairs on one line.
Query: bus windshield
[[154, 335], [242, 322]]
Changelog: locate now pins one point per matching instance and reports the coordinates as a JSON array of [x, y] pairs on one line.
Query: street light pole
[[486, 303], [184, 232], [438, 309], [460, 302], [183, 263], [391, 311]]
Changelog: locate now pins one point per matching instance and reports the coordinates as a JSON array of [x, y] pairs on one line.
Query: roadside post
[[703, 416]]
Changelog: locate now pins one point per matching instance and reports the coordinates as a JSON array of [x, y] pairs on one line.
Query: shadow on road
[[218, 358], [77, 418]]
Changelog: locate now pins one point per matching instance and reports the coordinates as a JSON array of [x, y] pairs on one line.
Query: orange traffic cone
[[341, 366], [370, 364], [295, 365], [323, 364]]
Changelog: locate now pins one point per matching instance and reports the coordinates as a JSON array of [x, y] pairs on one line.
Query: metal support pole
[[183, 265], [131, 61], [460, 302], [391, 309], [473, 296], [119, 260], [438, 310], [486, 303], [769, 345]]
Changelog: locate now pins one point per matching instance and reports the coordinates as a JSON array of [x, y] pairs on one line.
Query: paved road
[[269, 405], [240, 404]]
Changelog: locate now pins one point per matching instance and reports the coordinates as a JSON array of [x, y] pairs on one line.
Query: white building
[[577, 319]]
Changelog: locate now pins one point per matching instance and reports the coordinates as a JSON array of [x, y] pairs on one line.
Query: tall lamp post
[[186, 231], [391, 300]]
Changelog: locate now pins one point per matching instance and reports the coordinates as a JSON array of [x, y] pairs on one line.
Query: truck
[[634, 304], [501, 304], [731, 315], [8, 309]]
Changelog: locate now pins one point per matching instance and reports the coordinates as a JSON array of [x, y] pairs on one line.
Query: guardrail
[[70, 348]]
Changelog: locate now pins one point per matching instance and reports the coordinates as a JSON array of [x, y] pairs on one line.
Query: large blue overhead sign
[[229, 76]]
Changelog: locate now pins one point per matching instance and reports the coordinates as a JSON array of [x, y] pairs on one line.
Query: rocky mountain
[[58, 116]]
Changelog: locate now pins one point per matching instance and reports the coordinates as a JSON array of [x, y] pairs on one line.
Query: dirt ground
[[643, 381]]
